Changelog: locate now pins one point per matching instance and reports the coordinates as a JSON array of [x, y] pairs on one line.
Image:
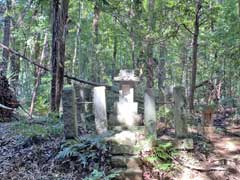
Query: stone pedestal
[[100, 112], [69, 112], [150, 114], [179, 112], [79, 91]]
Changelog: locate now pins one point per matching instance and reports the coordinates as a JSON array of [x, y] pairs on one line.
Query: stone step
[[131, 162], [129, 174], [119, 149]]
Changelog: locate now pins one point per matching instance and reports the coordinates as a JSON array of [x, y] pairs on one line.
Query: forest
[[119, 89]]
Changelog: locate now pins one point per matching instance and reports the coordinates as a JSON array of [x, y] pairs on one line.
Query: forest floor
[[33, 158]]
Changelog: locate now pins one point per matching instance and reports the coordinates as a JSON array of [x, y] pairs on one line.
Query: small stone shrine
[[128, 130], [126, 110]]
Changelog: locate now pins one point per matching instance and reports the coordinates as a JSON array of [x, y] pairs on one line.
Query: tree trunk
[[194, 54], [149, 51], [15, 68], [95, 61], [39, 73], [6, 39], [76, 62], [114, 55], [59, 30]]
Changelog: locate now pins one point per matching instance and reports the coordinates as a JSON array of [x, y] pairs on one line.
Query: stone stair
[[125, 147]]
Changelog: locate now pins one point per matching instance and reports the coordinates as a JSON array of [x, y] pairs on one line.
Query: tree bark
[[95, 61], [59, 30], [194, 54], [14, 67], [76, 58], [114, 55], [149, 51], [6, 39], [39, 73]]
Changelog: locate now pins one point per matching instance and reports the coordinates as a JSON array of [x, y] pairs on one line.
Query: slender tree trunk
[[60, 67], [76, 59], [114, 54], [59, 30], [95, 61], [39, 73], [149, 51], [194, 54], [14, 67], [239, 8], [6, 39]]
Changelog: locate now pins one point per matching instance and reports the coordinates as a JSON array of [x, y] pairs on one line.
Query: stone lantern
[[126, 110]]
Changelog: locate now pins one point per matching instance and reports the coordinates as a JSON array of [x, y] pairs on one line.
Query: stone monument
[[126, 110]]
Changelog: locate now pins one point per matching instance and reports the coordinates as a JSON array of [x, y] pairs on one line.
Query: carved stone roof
[[126, 75]]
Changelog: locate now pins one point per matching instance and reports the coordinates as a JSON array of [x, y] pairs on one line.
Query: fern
[[86, 149], [161, 156]]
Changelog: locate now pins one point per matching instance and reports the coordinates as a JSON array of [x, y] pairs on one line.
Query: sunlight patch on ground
[[231, 146], [188, 174]]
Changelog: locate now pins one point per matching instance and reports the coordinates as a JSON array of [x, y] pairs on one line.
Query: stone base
[[130, 162], [184, 144], [129, 174], [126, 121]]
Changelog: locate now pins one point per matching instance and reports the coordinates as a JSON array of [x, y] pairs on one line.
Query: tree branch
[[46, 69], [185, 26]]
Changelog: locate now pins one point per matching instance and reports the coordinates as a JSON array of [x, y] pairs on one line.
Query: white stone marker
[[99, 106], [150, 113]]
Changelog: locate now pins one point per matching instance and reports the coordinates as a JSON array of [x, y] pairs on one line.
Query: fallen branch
[[46, 69], [5, 107]]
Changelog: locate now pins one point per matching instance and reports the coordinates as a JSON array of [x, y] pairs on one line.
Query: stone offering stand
[[129, 134]]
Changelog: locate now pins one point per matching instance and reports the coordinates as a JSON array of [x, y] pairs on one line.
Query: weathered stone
[[126, 94], [131, 162], [124, 138], [69, 112], [120, 149], [184, 144], [150, 113], [79, 91], [129, 174], [126, 75], [126, 110], [179, 111], [99, 102]]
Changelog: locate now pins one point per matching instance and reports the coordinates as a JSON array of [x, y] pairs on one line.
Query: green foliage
[[87, 150], [44, 128], [229, 102], [165, 112], [162, 156]]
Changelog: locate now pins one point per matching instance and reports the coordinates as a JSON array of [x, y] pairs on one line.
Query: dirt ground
[[33, 159]]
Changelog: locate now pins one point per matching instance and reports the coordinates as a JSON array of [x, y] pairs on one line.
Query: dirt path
[[223, 163]]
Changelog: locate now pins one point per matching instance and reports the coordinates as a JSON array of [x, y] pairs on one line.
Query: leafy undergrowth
[[89, 155], [161, 156], [36, 151]]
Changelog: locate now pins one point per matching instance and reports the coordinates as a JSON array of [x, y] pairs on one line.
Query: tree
[[59, 31], [6, 38], [198, 6]]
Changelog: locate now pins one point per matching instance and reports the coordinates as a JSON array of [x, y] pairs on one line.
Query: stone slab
[[132, 162]]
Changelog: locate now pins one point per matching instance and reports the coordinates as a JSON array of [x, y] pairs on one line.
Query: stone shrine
[[126, 110]]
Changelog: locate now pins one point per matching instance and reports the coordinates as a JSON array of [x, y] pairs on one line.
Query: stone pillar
[[149, 113], [69, 112], [79, 91], [99, 106], [179, 110]]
